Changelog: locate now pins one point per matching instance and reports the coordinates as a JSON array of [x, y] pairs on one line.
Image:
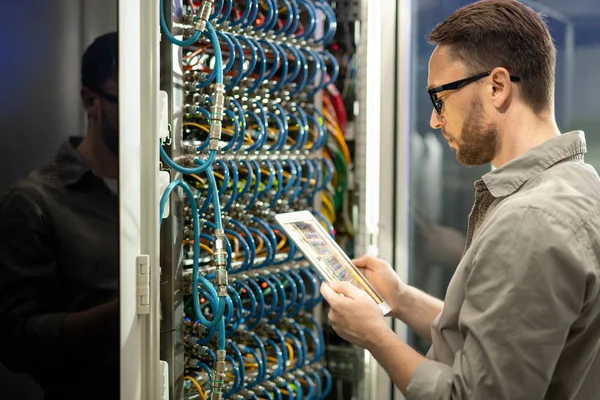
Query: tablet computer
[[324, 253]]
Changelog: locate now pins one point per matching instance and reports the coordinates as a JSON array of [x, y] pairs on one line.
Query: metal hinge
[[143, 284]]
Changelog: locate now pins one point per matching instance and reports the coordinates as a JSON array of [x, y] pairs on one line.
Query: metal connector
[[222, 279], [191, 362], [218, 102], [204, 15], [218, 376]]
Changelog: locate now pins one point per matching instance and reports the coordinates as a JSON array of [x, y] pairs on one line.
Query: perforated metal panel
[[348, 10]]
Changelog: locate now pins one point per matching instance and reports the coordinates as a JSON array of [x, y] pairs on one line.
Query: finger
[[347, 289], [329, 294], [363, 261], [332, 316]]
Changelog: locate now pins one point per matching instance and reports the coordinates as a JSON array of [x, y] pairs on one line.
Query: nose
[[436, 120]]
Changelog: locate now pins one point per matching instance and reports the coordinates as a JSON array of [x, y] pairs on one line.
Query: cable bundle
[[254, 144]]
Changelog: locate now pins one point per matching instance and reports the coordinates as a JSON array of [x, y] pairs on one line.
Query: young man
[[521, 318], [59, 265]]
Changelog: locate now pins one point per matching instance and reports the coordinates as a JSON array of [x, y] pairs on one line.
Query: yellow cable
[[205, 128], [260, 244], [207, 248], [291, 352], [330, 209], [202, 181], [281, 243], [197, 385]]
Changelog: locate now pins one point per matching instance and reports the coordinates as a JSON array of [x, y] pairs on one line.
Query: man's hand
[[384, 279], [413, 307], [355, 316]]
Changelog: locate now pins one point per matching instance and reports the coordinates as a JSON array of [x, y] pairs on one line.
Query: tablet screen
[[323, 252]]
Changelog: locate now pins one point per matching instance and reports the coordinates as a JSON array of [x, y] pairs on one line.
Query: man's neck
[[525, 132], [99, 159]]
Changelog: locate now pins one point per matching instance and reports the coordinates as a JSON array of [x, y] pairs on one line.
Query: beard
[[478, 139], [109, 135]]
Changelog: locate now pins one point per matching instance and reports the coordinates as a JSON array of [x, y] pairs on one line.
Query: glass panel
[[441, 188], [59, 214]]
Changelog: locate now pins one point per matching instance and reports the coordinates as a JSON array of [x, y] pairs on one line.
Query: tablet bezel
[[307, 216]]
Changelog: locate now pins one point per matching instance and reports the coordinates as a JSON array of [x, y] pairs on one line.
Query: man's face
[[109, 116], [102, 108], [463, 119]]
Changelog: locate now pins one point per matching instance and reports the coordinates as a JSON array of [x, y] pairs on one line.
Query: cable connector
[[216, 116], [204, 15], [220, 258], [220, 255], [191, 362], [218, 376], [218, 102], [221, 282]]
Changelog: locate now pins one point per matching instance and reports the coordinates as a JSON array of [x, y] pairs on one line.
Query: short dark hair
[[503, 33], [100, 61]]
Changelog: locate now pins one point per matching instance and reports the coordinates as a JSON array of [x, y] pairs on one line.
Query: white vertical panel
[[150, 115], [129, 196], [403, 134], [375, 154]]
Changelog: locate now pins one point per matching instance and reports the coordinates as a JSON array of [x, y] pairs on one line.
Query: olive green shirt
[[521, 318]]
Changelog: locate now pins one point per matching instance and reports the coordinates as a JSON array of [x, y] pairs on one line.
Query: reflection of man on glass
[[521, 317], [59, 314]]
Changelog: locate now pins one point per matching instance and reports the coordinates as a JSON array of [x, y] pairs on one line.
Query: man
[[59, 313], [521, 317]]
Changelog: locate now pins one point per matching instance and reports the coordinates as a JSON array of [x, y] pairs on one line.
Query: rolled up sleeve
[[523, 292]]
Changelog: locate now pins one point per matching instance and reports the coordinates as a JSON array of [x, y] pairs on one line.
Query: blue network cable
[[262, 68], [262, 132], [225, 170], [303, 295], [279, 355], [328, 382], [331, 25], [284, 67], [279, 176], [236, 377], [241, 61], [312, 20], [289, 21], [244, 16], [311, 391], [336, 68], [270, 180], [261, 304], [253, 13], [253, 57], [273, 307], [317, 382], [196, 278], [281, 307], [259, 376], [165, 30], [218, 70]]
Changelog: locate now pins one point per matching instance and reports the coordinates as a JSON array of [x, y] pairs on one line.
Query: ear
[[500, 89], [91, 103]]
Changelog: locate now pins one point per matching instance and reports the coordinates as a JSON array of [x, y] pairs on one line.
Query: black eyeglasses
[[438, 103], [110, 97]]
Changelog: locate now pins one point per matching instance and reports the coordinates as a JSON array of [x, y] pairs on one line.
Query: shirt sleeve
[[523, 292], [30, 295]]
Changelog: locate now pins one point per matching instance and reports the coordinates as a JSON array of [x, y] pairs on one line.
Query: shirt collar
[[69, 165], [507, 179]]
